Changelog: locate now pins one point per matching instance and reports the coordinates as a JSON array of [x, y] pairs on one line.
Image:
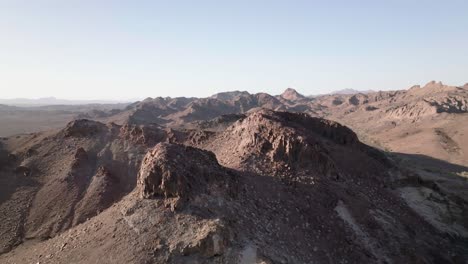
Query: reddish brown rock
[[178, 171], [147, 135], [291, 95], [83, 128]]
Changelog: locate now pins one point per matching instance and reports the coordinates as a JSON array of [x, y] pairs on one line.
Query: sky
[[121, 50]]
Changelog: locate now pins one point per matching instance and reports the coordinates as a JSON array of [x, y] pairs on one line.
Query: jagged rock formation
[[177, 171], [450, 104], [287, 144], [69, 176], [83, 128]]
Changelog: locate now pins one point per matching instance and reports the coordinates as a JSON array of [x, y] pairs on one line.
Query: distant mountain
[[291, 95], [351, 91], [53, 101], [7, 107], [225, 96]]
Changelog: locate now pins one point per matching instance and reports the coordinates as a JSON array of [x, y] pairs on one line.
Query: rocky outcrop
[[279, 143], [179, 172], [434, 85], [147, 135], [358, 99], [412, 111], [211, 241], [221, 122], [83, 128], [326, 128], [450, 104]]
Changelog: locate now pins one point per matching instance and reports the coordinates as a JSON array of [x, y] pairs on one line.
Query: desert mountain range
[[374, 177]]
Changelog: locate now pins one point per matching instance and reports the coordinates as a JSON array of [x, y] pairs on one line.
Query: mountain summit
[[291, 95]]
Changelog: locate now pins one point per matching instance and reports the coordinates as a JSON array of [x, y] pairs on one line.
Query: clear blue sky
[[134, 49]]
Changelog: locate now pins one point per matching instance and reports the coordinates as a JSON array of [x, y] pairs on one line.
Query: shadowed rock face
[[450, 104], [178, 171]]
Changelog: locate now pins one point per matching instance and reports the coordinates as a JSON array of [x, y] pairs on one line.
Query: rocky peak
[[263, 120], [326, 128], [433, 84], [280, 142], [178, 172], [83, 128], [292, 95]]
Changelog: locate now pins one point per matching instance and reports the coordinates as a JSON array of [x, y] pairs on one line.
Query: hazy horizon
[[107, 100], [87, 50]]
